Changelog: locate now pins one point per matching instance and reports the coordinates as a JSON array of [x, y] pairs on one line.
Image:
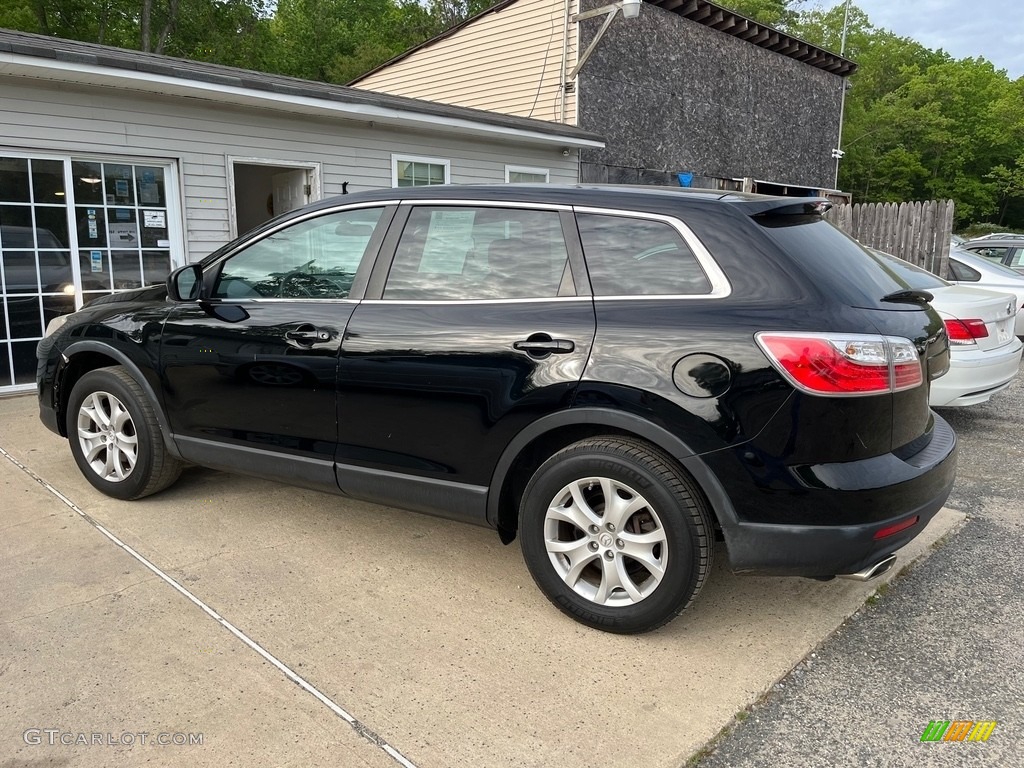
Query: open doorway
[[261, 190]]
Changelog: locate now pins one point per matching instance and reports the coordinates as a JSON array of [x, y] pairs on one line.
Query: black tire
[[109, 416], [664, 521]]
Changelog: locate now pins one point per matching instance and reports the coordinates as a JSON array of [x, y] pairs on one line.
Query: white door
[[291, 190]]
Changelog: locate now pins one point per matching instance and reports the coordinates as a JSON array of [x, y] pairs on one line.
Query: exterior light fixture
[[630, 10]]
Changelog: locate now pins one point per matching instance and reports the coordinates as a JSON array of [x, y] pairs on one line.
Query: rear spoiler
[[781, 206]]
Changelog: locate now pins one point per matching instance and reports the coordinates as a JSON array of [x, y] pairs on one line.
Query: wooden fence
[[916, 232]]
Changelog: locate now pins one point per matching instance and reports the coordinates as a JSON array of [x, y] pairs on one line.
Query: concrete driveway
[[285, 627]]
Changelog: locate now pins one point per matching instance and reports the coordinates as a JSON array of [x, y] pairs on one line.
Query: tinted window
[[449, 253], [915, 277], [312, 259], [960, 271], [835, 262], [638, 257], [1017, 259]]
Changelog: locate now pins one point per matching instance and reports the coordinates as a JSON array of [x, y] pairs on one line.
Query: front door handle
[[542, 345], [307, 334]]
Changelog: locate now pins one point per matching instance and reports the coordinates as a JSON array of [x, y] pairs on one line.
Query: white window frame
[[396, 159], [314, 169], [510, 169]]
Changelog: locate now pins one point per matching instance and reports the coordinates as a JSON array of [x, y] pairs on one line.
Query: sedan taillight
[[843, 364], [962, 332]]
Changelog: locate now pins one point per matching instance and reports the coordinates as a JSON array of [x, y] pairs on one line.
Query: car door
[[1015, 258], [473, 331], [250, 371]]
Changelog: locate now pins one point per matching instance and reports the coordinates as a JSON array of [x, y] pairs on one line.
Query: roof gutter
[[224, 93]]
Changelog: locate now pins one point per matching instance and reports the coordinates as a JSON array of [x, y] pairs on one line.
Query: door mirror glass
[[185, 284]]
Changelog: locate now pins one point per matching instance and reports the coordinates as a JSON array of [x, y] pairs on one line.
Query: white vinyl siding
[[509, 61], [201, 136]]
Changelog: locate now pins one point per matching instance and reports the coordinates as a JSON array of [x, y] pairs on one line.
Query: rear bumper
[[921, 483], [974, 376]]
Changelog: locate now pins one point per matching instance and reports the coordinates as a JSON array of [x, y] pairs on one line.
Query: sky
[[990, 28]]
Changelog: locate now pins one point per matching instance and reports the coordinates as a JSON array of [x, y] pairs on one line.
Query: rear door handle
[[541, 345]]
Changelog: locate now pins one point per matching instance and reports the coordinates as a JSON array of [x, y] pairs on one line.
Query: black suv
[[624, 377]]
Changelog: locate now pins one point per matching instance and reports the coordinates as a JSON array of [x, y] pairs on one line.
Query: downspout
[[562, 85]]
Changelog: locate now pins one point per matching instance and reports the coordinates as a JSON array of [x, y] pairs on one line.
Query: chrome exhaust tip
[[872, 571]]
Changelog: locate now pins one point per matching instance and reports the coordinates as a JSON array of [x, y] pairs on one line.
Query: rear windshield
[[835, 262], [915, 277]]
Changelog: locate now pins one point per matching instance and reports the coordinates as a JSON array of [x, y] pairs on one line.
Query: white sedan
[[966, 268], [984, 351]]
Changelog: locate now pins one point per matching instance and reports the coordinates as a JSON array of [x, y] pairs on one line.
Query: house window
[[409, 171], [518, 174]]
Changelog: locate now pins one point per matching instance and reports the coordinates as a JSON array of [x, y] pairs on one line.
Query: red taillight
[[843, 364], [891, 530], [965, 331]]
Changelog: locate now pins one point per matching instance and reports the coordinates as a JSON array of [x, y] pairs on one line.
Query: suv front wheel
[[615, 534], [115, 436]]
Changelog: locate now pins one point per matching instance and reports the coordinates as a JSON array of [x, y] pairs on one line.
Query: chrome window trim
[[720, 286], [476, 301], [427, 202], [278, 299]]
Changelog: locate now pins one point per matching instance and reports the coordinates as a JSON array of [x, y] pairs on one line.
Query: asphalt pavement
[[943, 642]]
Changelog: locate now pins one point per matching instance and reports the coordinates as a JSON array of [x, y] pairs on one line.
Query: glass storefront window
[[64, 243]]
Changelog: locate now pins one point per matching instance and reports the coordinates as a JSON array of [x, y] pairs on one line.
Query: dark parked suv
[[625, 378]]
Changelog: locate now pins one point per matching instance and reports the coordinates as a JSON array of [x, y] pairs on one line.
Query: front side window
[[992, 253], [470, 253], [418, 171], [638, 257], [311, 259]]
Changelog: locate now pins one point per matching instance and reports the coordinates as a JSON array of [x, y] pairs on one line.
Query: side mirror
[[185, 283]]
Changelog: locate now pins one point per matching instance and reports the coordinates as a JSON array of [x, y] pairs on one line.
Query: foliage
[[986, 228], [921, 125], [917, 123]]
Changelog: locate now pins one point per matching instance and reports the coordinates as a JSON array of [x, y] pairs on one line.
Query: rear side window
[[638, 257], [479, 253], [962, 272]]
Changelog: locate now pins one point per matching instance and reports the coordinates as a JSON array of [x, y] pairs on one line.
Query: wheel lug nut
[[593, 529], [609, 555], [620, 543], [593, 546], [610, 526]]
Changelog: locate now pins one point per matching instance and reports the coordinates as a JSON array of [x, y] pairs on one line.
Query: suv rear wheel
[[115, 436], [615, 534]]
